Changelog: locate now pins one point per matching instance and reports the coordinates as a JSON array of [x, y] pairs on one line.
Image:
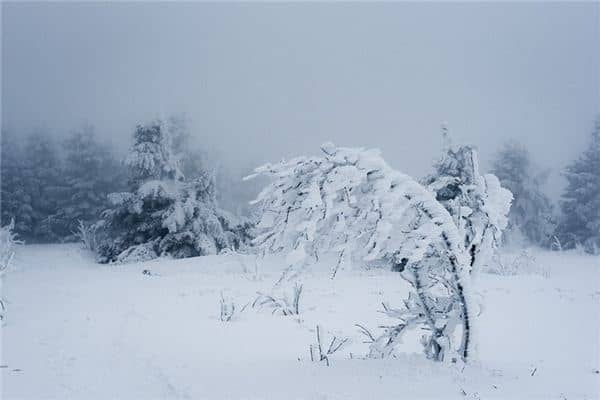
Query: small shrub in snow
[[86, 234], [414, 313], [322, 350], [8, 241], [286, 305], [227, 309], [350, 203]]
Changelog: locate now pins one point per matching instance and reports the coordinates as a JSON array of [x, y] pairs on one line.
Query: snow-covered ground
[[78, 330]]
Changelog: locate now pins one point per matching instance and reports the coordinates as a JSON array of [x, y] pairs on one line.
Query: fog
[[264, 81]]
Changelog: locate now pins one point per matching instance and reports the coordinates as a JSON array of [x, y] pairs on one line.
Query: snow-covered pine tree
[[580, 224], [477, 203], [162, 214], [531, 214], [151, 157], [350, 203], [90, 172]]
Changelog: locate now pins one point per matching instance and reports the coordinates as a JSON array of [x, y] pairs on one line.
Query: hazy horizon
[[264, 81]]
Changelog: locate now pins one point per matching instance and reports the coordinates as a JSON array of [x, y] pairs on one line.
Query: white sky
[[261, 81]]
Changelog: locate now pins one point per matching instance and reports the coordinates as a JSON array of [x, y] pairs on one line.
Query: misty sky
[[263, 81]]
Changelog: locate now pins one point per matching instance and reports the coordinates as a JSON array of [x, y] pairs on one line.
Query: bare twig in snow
[[334, 345], [367, 333]]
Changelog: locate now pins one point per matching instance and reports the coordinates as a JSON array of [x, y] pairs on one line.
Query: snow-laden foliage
[[163, 214], [581, 199], [349, 202], [477, 203], [152, 157], [8, 241], [531, 214]]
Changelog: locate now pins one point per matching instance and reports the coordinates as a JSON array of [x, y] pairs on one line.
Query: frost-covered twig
[[366, 333], [337, 265], [323, 355]]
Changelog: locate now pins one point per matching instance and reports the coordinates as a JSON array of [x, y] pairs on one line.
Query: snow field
[[79, 330]]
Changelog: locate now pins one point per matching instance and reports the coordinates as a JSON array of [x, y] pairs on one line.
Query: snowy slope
[[78, 330]]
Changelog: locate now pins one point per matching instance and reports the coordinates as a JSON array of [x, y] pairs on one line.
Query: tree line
[[534, 218], [51, 187], [345, 202]]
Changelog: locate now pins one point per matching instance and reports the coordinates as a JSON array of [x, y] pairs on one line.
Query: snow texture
[[75, 330]]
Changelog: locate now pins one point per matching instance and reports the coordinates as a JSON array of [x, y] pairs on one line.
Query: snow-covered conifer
[[15, 202], [90, 173], [162, 214], [581, 199], [44, 184], [477, 203], [152, 157], [350, 203], [531, 214]]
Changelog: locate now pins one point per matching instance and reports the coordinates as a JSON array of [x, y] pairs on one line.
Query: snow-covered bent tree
[[349, 202], [478, 204]]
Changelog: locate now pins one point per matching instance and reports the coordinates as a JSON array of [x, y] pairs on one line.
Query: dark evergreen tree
[[15, 202], [580, 223], [44, 184], [531, 214], [90, 173]]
